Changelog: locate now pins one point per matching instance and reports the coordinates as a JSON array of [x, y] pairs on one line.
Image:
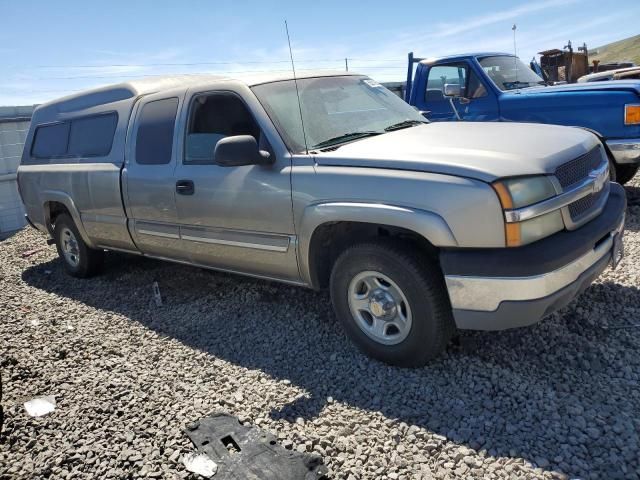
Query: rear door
[[148, 177]]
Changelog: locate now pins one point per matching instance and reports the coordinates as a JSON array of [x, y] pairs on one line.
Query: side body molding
[[430, 225], [49, 196]]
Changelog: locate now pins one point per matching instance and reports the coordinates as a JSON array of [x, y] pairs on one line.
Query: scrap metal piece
[[33, 251], [200, 464], [157, 298], [247, 453], [40, 406]]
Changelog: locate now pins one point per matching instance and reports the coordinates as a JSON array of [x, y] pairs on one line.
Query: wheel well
[[331, 239], [52, 211]]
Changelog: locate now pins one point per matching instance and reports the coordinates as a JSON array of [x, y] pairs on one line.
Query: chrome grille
[[578, 169]]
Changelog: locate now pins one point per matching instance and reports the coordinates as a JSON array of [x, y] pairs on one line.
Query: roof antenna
[[295, 81], [515, 53]]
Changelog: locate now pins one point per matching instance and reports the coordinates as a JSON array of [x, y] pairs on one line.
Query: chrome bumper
[[625, 150], [495, 303]]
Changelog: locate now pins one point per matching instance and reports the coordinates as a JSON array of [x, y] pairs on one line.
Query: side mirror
[[452, 90], [240, 150]]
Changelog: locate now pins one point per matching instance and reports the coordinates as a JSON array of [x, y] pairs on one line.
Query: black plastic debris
[[247, 453]]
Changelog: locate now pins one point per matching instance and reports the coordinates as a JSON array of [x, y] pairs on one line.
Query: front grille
[[578, 169], [580, 207]]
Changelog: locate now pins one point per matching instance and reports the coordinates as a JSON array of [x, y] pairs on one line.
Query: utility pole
[[515, 51], [346, 64]]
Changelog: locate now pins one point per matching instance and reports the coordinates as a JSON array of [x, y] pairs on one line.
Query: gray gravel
[[557, 400]]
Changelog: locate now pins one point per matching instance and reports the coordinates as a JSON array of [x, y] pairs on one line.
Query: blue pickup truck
[[500, 87]]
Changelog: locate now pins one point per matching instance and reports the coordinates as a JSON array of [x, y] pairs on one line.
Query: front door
[[478, 103], [148, 177], [234, 218]]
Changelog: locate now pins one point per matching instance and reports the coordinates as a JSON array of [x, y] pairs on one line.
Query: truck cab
[[493, 86]]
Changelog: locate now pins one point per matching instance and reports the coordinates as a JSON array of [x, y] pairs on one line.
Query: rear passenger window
[[154, 141], [51, 141], [92, 136]]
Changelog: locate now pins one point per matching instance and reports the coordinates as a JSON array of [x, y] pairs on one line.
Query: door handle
[[185, 187]]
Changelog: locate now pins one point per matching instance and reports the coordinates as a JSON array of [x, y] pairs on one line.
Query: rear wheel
[[392, 302], [625, 172], [78, 258]]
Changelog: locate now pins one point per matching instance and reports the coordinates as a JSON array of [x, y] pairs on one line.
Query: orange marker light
[[512, 234], [503, 195], [511, 230], [632, 114]]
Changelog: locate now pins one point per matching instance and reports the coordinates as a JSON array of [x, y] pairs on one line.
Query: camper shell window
[[90, 136]]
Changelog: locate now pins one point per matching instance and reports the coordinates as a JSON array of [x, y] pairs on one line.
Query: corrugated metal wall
[[14, 124]]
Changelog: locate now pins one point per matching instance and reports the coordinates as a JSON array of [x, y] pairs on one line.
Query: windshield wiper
[[516, 84], [404, 124], [346, 137]]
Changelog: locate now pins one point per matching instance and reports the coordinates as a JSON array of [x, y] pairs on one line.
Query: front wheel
[[625, 172], [78, 258], [392, 302]]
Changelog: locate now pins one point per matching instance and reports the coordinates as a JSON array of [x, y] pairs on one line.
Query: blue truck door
[[478, 103]]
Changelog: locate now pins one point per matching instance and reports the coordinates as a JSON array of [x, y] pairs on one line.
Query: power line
[[142, 75], [228, 72], [190, 64]]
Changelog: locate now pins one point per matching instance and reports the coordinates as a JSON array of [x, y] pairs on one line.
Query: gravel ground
[[557, 400]]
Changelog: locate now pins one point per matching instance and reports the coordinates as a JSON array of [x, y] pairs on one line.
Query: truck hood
[[615, 85], [484, 151]]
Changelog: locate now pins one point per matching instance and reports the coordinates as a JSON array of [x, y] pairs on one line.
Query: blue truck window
[[509, 73], [92, 136], [458, 74], [51, 140], [441, 75], [154, 141], [475, 87]]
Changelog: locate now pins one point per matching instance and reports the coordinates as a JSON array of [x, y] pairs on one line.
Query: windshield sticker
[[372, 83]]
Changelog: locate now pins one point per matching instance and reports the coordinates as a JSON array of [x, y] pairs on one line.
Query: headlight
[[632, 114], [521, 192]]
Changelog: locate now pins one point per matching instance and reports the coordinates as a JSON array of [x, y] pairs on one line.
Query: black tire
[[88, 261], [419, 279], [625, 172], [612, 170]]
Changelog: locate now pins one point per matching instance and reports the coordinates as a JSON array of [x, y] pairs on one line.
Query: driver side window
[[456, 74], [212, 118]]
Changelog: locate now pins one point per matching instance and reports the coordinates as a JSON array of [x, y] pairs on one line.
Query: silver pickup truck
[[415, 228]]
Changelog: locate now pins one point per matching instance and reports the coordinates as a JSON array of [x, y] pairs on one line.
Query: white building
[[14, 124]]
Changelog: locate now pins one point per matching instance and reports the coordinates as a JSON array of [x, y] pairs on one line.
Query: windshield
[[509, 73], [335, 110]]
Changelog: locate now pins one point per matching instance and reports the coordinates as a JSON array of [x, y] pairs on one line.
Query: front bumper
[[626, 150], [518, 287]]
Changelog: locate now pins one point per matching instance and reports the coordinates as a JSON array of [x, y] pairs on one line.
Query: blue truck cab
[[493, 86]]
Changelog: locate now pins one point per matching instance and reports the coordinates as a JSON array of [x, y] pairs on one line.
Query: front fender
[[427, 224]]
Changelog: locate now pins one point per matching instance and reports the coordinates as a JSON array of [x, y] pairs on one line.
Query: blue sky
[[51, 48]]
